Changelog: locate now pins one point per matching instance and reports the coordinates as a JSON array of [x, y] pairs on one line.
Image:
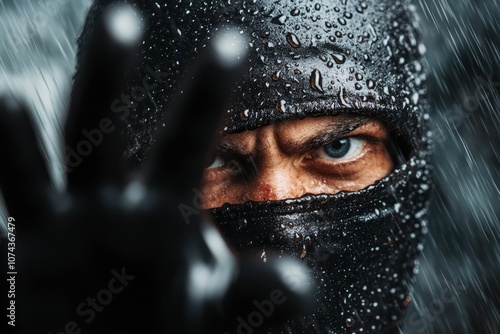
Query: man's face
[[315, 155]]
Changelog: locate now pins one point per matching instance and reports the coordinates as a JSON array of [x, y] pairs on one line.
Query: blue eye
[[344, 148]]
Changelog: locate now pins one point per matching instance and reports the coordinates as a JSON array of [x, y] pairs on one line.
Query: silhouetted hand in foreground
[[113, 253]]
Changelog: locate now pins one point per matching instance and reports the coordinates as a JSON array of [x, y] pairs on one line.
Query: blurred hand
[[113, 253]]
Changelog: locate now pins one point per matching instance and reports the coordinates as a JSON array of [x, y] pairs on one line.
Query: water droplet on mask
[[242, 223], [349, 322], [293, 40], [323, 58], [245, 114], [303, 252], [281, 227], [317, 6], [297, 71], [272, 237], [359, 76], [265, 34], [370, 84], [297, 237], [338, 34], [280, 19], [329, 64], [342, 21], [339, 59], [276, 76], [281, 107], [316, 81], [343, 102], [295, 12], [358, 86], [263, 256], [348, 15]]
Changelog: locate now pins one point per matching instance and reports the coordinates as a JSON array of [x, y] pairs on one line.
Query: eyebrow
[[333, 130]]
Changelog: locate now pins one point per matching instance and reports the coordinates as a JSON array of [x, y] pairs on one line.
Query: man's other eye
[[344, 148], [217, 161]]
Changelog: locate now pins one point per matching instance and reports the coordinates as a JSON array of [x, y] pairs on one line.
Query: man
[[322, 155]]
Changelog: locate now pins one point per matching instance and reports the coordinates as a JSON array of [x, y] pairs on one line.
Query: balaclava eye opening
[[307, 59]]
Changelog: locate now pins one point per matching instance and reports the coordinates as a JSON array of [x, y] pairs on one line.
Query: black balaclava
[[310, 58]]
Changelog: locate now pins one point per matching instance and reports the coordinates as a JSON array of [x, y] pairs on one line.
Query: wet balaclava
[[309, 58]]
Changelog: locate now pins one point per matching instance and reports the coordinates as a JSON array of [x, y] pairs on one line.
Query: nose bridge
[[274, 181], [274, 176]]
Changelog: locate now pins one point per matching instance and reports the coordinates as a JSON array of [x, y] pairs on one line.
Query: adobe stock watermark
[[88, 309], [247, 169], [122, 107], [459, 113], [419, 320]]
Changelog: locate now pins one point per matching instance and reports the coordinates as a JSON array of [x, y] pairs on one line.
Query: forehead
[[306, 58]]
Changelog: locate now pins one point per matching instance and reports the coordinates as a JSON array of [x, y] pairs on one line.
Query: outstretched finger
[[94, 150], [24, 178], [179, 156]]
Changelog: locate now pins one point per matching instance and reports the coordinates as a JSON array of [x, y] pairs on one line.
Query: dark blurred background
[[457, 288]]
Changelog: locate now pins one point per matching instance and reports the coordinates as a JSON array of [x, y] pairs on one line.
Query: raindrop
[[242, 223], [263, 256], [293, 40], [303, 252], [245, 114], [281, 107], [297, 237], [339, 58], [316, 81], [342, 97], [280, 19]]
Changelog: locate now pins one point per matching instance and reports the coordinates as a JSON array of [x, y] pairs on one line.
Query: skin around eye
[[322, 155]]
